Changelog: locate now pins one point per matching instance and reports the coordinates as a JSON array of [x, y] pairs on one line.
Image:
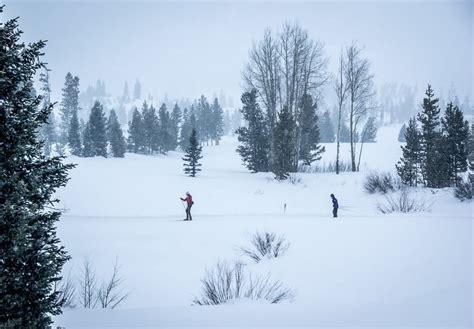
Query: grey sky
[[192, 48]]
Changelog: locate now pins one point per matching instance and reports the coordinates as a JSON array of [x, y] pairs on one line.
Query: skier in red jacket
[[189, 202]]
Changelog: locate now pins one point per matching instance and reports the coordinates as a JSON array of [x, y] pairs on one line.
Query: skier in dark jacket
[[335, 206], [189, 202]]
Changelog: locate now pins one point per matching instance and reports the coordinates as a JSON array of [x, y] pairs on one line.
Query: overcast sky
[[190, 48]]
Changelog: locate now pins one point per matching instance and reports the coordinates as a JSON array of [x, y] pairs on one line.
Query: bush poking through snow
[[266, 245], [110, 294], [402, 202], [227, 283], [382, 182], [463, 191]]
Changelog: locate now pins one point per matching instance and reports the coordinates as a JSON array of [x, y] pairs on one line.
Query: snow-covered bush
[[464, 190], [227, 283], [403, 202], [265, 245], [381, 182]]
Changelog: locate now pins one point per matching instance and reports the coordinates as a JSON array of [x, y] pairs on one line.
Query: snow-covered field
[[364, 269]]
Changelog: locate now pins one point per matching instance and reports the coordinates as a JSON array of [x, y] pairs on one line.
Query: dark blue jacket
[[334, 202]]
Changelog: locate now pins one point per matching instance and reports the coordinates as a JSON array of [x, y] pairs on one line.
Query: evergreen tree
[[204, 120], [192, 156], [431, 140], [456, 133], [327, 129], [176, 116], [151, 130], [401, 134], [409, 166], [69, 104], [137, 90], [284, 139], [87, 143], [345, 134], [310, 150], [47, 130], [31, 256], [74, 135], [217, 130], [470, 146], [165, 130], [115, 136], [186, 129], [97, 131], [254, 138], [135, 140], [369, 132]]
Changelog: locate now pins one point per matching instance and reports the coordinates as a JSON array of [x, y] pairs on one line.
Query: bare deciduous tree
[[360, 92], [341, 93]]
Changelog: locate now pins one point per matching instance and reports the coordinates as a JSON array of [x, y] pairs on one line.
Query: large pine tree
[[185, 130], [310, 150], [204, 120], [456, 134], [151, 137], [431, 140], [192, 156], [115, 136], [409, 166], [31, 257], [217, 130], [135, 141], [74, 135], [284, 139], [253, 138], [97, 131], [69, 104], [176, 116], [165, 130]]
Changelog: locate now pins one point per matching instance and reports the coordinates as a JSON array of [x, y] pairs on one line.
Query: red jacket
[[189, 199]]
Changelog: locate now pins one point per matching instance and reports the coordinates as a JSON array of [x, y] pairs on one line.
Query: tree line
[[436, 150], [149, 130]]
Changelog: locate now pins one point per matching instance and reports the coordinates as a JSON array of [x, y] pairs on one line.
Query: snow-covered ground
[[363, 269]]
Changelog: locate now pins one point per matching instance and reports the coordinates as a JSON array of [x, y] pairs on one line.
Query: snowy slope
[[364, 269]]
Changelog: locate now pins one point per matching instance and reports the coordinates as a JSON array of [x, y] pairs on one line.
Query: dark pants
[[334, 212], [188, 212]]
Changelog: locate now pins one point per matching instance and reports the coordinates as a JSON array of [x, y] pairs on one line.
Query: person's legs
[[189, 212], [334, 212]]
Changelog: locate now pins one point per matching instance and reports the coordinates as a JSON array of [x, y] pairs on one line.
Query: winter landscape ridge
[[364, 269]]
